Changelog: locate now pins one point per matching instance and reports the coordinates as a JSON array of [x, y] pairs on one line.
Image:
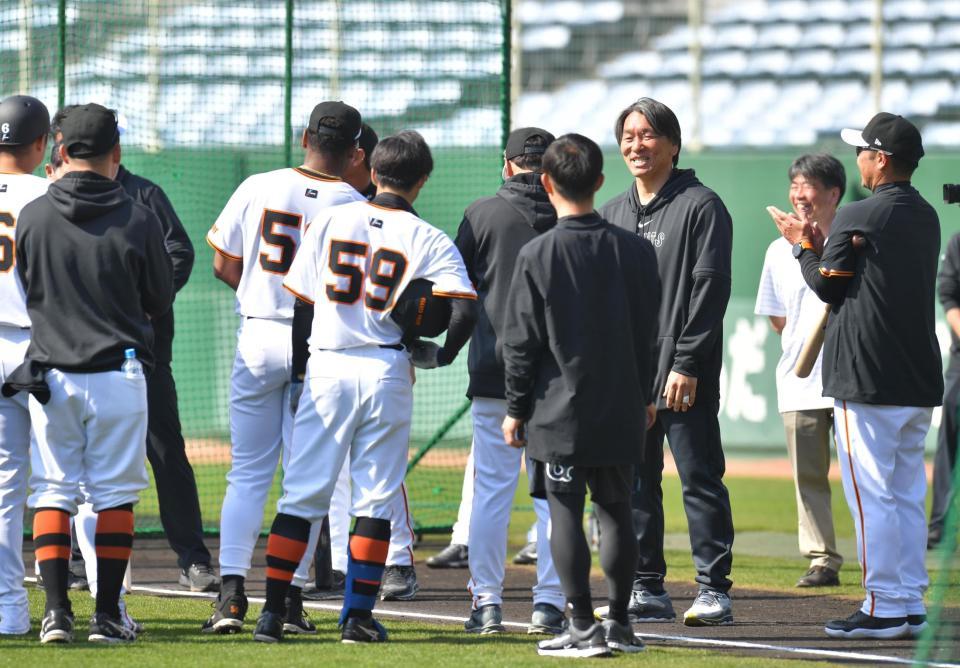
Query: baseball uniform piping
[[221, 251], [856, 492]]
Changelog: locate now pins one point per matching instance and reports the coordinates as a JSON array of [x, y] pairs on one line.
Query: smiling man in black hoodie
[[493, 231], [692, 234], [94, 271]]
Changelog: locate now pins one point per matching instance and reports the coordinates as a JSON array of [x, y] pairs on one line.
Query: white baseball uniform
[[358, 396], [261, 226], [16, 190]]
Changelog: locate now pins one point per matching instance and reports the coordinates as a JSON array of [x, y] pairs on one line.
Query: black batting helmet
[[23, 119], [419, 312]]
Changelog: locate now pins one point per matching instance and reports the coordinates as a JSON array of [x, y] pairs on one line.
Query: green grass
[[173, 638]]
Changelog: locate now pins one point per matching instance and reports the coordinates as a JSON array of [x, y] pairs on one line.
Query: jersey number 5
[[348, 259], [6, 241], [272, 231]]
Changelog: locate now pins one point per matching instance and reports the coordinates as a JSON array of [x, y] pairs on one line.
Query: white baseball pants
[[461, 528], [94, 430], [880, 449], [14, 470], [401, 525], [260, 433], [356, 402], [497, 469]]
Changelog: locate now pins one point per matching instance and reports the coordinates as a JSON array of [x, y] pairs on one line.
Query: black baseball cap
[[517, 142], [368, 140], [890, 134], [89, 131], [336, 118], [23, 119]]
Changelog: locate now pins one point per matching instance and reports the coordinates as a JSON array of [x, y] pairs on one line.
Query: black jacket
[[93, 265], [692, 234], [880, 345], [493, 231], [177, 243], [948, 288], [578, 342]]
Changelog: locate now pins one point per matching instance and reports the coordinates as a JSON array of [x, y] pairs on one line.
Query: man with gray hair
[[817, 184]]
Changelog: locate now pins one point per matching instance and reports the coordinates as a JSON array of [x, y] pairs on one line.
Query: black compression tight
[[571, 554]]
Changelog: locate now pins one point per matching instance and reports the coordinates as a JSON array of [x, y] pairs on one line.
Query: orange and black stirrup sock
[[51, 541], [285, 548], [114, 543], [366, 556]]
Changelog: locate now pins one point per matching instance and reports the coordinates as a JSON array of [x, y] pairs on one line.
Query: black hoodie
[[692, 234], [493, 231], [93, 267]]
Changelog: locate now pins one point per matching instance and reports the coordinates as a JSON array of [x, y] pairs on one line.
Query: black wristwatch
[[801, 246]]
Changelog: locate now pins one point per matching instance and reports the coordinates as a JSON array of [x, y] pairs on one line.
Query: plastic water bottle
[[131, 367]]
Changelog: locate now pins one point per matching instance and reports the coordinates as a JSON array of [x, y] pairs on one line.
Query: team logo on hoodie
[[558, 473]]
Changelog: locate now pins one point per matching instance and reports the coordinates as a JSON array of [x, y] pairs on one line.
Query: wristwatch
[[801, 246]]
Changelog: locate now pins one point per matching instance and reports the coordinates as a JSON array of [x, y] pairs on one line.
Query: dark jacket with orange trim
[[492, 232], [581, 325], [880, 345], [692, 234]]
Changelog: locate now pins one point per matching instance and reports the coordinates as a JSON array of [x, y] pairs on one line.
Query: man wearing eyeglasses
[[881, 365], [692, 234]]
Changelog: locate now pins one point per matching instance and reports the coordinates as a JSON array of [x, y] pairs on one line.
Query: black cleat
[[57, 626], [452, 556], [269, 627], [861, 625], [399, 584], [228, 614], [356, 630], [336, 589], [109, 630], [295, 620]]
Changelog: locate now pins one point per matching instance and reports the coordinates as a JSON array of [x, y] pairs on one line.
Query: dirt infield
[[788, 622]]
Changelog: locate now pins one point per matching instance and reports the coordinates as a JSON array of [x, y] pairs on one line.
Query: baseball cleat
[[228, 614], [918, 624], [336, 589], [128, 621], [452, 556], [710, 608], [295, 620], [576, 644], [526, 555], [57, 627], [109, 630], [547, 619], [644, 606], [620, 637], [269, 628], [861, 625], [485, 620], [200, 577], [399, 584], [356, 630]]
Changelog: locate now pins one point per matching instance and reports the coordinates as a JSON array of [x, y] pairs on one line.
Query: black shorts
[[608, 484]]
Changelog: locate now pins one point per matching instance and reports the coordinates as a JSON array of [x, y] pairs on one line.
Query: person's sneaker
[[200, 577], [861, 625], [228, 614], [269, 627], [547, 619], [57, 626], [14, 620], [710, 608], [128, 621], [645, 606], [526, 555], [819, 576], [77, 576], [399, 584], [918, 624], [620, 637], [109, 630], [336, 589], [452, 556], [934, 536], [576, 644], [485, 620], [356, 630], [295, 620]]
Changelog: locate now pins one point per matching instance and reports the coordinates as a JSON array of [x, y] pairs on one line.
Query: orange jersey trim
[[454, 295], [296, 294], [835, 273], [317, 176], [223, 252]]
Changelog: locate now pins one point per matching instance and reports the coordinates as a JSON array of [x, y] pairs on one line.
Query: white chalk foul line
[[710, 642]]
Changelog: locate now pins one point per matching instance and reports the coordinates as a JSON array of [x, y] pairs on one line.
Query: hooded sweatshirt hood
[[680, 180], [82, 196], [528, 198]]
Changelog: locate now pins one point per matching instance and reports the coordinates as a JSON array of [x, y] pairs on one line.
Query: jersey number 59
[[348, 259]]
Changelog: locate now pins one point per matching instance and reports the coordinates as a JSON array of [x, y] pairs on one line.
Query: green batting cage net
[[214, 91]]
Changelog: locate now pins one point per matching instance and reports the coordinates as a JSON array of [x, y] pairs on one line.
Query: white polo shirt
[[783, 292]]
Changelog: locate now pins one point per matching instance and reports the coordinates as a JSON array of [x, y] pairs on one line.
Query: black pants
[[945, 460], [694, 439], [176, 486]]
